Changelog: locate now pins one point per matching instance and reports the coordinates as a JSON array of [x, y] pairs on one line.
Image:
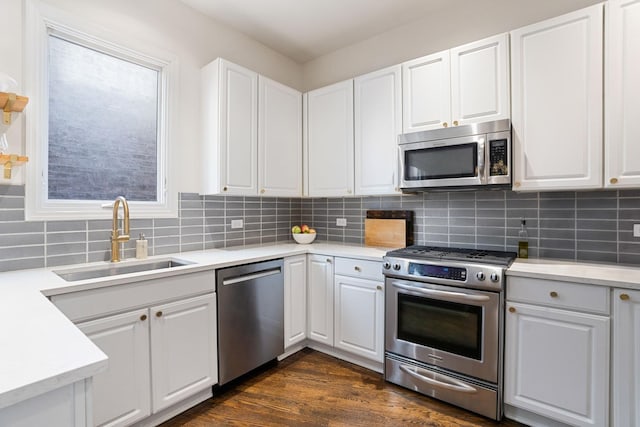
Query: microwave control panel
[[498, 157]]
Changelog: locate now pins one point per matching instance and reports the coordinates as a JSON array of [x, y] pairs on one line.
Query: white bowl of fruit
[[303, 234]]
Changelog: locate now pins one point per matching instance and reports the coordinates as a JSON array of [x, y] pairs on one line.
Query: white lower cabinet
[[626, 358], [320, 299], [184, 355], [359, 316], [295, 300], [161, 339], [557, 359], [345, 308], [122, 393], [158, 356], [67, 406]]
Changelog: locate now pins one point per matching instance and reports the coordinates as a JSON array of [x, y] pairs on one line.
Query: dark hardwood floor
[[313, 389]]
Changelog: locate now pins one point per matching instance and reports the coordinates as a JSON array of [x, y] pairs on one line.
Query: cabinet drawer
[[552, 293], [359, 268], [84, 305]]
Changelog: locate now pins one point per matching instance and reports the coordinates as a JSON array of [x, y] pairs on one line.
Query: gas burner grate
[[458, 254]]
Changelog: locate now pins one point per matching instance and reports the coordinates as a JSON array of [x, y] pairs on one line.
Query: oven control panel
[[438, 271], [472, 275]]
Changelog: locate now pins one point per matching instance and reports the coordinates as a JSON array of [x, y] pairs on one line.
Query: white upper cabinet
[[557, 102], [329, 140], [467, 84], [622, 94], [378, 121], [279, 139], [480, 81], [229, 127], [426, 92], [252, 133]]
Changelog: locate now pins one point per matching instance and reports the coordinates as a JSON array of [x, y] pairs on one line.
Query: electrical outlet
[[237, 223], [341, 222], [636, 230]]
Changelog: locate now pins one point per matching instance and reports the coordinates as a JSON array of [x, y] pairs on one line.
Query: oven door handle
[[455, 296], [450, 384]]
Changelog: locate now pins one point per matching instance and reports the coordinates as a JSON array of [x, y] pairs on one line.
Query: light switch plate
[[237, 223], [636, 230], [341, 222]]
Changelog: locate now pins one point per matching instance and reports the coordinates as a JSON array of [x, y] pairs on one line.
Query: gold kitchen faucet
[[116, 237]]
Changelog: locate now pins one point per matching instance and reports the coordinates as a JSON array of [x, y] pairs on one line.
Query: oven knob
[[396, 266], [480, 275], [494, 277], [386, 265]]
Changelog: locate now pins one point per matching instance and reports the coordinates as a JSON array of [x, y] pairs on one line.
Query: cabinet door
[[66, 406], [238, 129], [626, 358], [622, 94], [279, 139], [295, 299], [557, 102], [359, 317], [480, 81], [330, 140], [320, 298], [426, 93], [378, 121], [122, 393], [557, 364], [183, 349]]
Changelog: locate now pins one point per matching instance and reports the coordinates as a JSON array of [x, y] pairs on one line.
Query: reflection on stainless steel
[[85, 273], [444, 324], [250, 317], [460, 156]]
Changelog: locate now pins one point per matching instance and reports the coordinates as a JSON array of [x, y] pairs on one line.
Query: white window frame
[[42, 20]]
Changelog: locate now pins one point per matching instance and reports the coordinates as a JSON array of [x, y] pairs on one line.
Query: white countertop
[[41, 350], [578, 272]]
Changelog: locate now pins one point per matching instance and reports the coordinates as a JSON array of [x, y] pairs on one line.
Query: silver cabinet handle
[[257, 275], [457, 296], [450, 384]]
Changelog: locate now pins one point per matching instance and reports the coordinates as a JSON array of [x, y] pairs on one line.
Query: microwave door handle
[[452, 296], [450, 384], [481, 161]]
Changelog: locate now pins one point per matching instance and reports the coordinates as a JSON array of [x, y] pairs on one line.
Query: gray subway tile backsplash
[[585, 226]]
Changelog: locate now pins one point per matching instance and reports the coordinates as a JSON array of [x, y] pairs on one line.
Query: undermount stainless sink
[[85, 273]]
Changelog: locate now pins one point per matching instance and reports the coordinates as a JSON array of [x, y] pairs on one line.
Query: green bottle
[[523, 240]]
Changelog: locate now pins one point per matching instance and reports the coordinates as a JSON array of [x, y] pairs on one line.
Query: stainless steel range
[[444, 324]]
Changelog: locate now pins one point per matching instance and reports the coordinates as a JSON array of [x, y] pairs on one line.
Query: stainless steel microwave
[[462, 156]]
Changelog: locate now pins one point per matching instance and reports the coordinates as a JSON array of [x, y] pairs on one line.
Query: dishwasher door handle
[[258, 275]]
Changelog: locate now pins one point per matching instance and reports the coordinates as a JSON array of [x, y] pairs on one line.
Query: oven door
[[449, 327], [443, 163]]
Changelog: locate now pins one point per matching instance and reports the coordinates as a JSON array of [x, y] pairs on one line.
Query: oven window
[[455, 161], [448, 326]]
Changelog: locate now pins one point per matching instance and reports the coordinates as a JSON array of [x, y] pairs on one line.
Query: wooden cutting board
[[388, 233], [388, 228]]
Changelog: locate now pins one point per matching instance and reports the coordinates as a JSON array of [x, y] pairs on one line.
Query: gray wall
[[584, 226]]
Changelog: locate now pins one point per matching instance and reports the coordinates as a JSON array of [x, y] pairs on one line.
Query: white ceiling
[[306, 29]]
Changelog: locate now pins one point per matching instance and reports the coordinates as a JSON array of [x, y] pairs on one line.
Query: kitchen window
[[100, 124]]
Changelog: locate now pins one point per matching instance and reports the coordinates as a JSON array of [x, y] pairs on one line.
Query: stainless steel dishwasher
[[250, 317]]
